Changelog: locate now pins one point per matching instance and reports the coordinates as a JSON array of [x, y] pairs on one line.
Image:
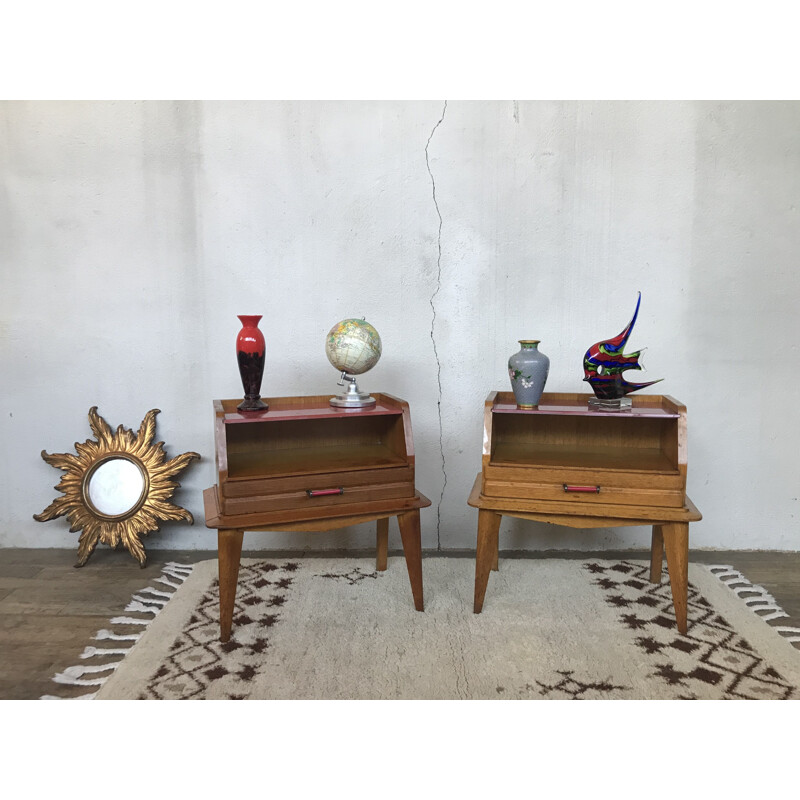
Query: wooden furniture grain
[[304, 465], [564, 464]]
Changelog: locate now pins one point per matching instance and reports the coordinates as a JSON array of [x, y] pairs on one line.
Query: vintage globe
[[353, 346]]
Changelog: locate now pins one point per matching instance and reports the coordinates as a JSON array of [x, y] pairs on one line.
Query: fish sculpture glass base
[[603, 366]]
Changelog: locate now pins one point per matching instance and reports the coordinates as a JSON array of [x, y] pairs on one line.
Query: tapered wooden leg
[[412, 548], [486, 554], [676, 543], [656, 554], [382, 544], [229, 545], [496, 564]]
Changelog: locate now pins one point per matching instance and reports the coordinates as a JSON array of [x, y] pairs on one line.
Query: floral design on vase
[[528, 370], [250, 353]]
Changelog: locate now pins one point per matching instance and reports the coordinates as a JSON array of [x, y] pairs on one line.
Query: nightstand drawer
[[625, 487], [601, 492], [318, 492], [259, 487]]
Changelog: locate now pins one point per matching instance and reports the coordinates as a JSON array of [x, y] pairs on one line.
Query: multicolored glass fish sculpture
[[605, 362]]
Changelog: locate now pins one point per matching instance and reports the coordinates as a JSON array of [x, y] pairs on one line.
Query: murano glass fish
[[605, 362]]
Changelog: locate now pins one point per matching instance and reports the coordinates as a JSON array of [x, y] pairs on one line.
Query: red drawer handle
[[324, 492], [588, 489]]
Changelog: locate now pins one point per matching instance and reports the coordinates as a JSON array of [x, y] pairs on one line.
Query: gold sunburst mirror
[[117, 488]]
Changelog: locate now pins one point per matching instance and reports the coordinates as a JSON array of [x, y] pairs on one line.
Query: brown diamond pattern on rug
[[197, 658], [571, 688], [352, 577], [711, 652]]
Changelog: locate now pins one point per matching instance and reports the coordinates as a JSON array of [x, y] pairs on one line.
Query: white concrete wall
[[132, 234]]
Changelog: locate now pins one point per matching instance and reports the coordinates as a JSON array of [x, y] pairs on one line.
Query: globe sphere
[[353, 346]]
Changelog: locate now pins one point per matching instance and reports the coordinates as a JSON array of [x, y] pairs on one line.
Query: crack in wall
[[433, 326]]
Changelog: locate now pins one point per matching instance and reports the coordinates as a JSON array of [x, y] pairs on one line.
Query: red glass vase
[[250, 352]]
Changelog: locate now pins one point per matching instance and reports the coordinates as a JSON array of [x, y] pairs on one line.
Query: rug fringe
[[144, 608], [158, 592], [72, 675], [789, 633], [178, 570], [167, 582], [128, 620], [756, 598], [117, 637], [90, 651], [148, 601]]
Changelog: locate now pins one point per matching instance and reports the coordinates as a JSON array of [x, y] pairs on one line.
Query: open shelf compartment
[[311, 446], [575, 442]]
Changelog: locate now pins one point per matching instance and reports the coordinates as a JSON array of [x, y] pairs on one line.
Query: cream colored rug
[[322, 628]]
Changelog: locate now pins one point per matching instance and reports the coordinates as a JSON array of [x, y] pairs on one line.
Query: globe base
[[353, 397], [348, 401]]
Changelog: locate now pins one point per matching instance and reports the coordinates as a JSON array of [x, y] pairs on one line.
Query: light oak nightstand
[[567, 465]]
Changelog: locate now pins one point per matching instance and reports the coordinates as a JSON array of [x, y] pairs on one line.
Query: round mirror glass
[[115, 487]]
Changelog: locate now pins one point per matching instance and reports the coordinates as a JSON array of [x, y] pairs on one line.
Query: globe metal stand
[[353, 397]]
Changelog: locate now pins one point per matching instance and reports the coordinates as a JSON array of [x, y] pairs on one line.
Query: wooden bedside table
[[564, 464], [303, 465]]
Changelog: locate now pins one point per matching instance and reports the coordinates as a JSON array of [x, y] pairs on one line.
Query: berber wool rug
[[323, 628]]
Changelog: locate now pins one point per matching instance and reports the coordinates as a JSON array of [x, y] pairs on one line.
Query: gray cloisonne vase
[[528, 370]]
